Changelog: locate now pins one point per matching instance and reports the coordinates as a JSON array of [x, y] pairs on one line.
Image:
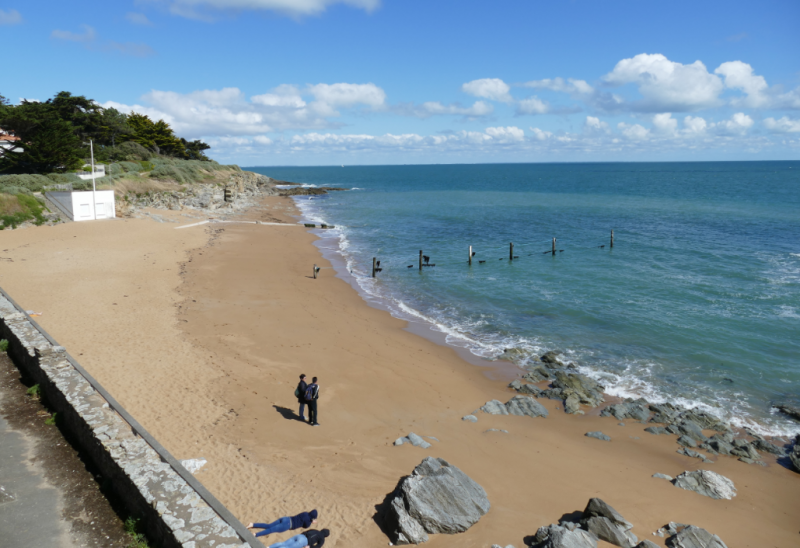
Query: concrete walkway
[[30, 508]]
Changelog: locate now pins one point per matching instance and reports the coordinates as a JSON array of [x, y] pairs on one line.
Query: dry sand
[[202, 332]]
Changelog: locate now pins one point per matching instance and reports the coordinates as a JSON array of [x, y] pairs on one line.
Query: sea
[[696, 303]]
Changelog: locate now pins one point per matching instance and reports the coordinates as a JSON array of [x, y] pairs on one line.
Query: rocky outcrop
[[629, 409], [518, 405], [598, 436], [695, 537], [436, 498], [647, 544], [794, 455], [707, 483], [579, 387], [789, 410], [600, 519], [523, 388], [557, 536]]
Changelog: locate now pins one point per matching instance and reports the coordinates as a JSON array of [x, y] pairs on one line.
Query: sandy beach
[[201, 334]]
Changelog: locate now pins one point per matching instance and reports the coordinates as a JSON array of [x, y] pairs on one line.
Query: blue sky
[[310, 82]]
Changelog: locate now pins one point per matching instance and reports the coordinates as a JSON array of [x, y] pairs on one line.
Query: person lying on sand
[[310, 539], [300, 521]]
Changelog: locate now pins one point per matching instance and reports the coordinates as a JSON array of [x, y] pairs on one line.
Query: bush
[[129, 151], [15, 210], [3, 345], [52, 420], [35, 391], [133, 528]]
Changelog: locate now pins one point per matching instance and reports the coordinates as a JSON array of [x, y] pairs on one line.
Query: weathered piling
[[420, 260], [470, 255], [554, 246], [511, 251], [315, 271], [374, 266], [612, 238]]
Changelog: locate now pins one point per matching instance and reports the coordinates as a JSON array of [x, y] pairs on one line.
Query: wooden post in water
[[315, 272], [470, 255], [612, 238], [511, 251], [420, 260], [554, 246], [373, 266]]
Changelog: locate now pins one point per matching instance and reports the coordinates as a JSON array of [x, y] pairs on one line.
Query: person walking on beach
[[311, 539], [300, 392], [312, 395], [302, 520]]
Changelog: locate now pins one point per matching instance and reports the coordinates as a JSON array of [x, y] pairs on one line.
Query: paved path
[[29, 507]]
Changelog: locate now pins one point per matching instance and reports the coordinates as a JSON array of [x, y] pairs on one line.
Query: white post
[[94, 189]]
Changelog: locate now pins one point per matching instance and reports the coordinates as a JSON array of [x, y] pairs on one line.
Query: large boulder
[[790, 410], [587, 390], [630, 409], [695, 537], [707, 483], [557, 536], [600, 519], [436, 498], [794, 455], [494, 407]]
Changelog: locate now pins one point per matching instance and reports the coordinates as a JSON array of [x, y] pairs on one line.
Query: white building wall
[[104, 205]]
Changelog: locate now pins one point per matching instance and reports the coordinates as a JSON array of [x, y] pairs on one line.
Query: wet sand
[[219, 321]]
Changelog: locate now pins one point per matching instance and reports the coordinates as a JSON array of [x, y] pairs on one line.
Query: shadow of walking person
[[287, 413]]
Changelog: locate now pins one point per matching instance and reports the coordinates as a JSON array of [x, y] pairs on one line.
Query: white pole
[[94, 189]]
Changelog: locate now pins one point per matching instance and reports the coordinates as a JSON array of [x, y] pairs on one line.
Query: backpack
[[311, 392], [297, 392]]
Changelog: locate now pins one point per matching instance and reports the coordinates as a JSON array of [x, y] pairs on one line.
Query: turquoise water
[[698, 302]]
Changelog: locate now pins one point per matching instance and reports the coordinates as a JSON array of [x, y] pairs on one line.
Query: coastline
[[250, 318]]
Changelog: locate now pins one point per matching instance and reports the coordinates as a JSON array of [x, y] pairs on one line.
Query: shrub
[[3, 345], [17, 209], [35, 391], [52, 420], [133, 528]]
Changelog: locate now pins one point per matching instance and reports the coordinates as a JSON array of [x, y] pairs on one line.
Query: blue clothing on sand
[[279, 526], [297, 541]]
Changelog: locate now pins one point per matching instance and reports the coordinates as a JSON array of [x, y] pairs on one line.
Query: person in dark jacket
[[301, 396], [313, 392], [310, 539], [303, 520]]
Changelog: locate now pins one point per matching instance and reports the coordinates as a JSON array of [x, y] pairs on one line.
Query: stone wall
[[176, 510]]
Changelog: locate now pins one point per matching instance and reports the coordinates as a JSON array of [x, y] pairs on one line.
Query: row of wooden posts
[[376, 263]]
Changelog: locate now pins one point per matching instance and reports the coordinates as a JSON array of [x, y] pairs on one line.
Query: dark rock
[[720, 445], [647, 544], [552, 358], [672, 429], [599, 508], [657, 430], [686, 441], [436, 498], [538, 373], [695, 537], [694, 454], [742, 448], [607, 530], [691, 430], [704, 421], [707, 483], [572, 405], [524, 388], [556, 536], [628, 410], [597, 435], [665, 413], [794, 454], [553, 394], [587, 390], [524, 405], [790, 410]]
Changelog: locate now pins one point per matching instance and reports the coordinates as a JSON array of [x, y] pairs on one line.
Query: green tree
[[157, 136], [48, 143], [114, 124], [85, 115], [193, 150]]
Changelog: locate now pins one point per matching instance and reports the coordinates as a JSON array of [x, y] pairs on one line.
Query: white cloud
[[739, 75], [594, 125], [506, 134], [262, 140], [739, 123], [88, 35], [488, 88], [138, 19], [296, 8], [540, 135], [347, 95], [667, 85], [432, 108], [10, 17], [228, 112], [635, 131], [532, 105], [570, 85], [665, 124], [694, 125], [783, 125]]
